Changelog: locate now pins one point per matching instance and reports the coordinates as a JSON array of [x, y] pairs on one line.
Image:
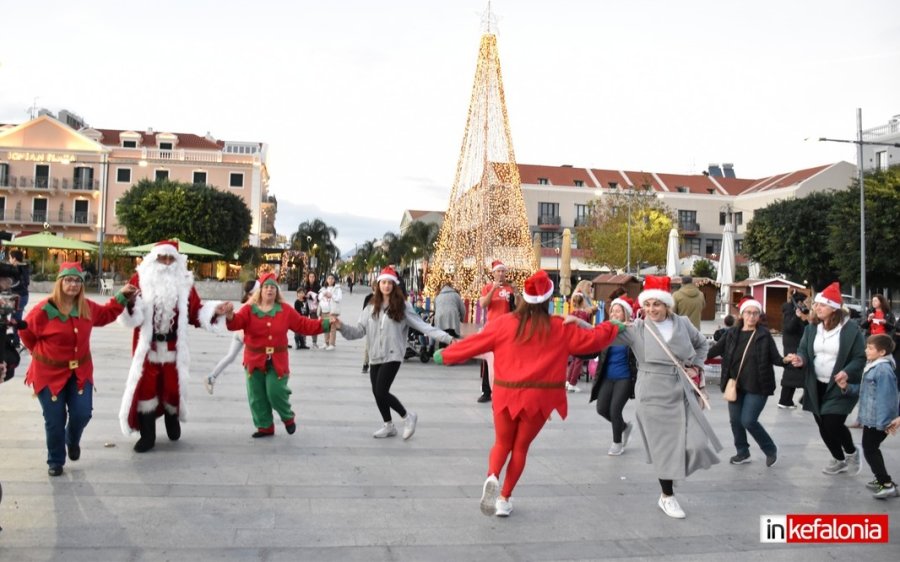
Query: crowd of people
[[646, 351]]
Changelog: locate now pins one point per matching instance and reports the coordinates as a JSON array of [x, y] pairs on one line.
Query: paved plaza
[[332, 492]]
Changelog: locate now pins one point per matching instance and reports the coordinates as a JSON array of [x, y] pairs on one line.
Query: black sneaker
[[365, 368], [55, 470], [484, 398], [741, 459], [771, 460]]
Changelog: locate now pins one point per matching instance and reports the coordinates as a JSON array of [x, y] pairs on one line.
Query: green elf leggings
[[267, 392]]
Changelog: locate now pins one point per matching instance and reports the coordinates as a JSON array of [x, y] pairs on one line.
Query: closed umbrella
[[725, 275], [672, 269], [565, 264]]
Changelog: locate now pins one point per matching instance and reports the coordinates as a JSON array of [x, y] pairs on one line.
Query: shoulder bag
[[730, 393], [701, 396]]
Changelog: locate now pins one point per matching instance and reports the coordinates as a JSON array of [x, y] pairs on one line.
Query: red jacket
[[531, 375], [265, 333], [60, 345]]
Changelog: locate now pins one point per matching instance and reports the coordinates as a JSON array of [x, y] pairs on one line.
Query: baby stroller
[[417, 343]]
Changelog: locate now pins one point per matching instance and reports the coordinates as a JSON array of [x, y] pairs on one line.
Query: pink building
[[68, 181]]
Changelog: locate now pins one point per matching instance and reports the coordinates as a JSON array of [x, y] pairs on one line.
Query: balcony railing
[[181, 154], [39, 216], [689, 227], [83, 184], [548, 220], [582, 221]]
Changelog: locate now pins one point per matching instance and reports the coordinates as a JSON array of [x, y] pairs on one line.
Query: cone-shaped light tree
[[486, 217]]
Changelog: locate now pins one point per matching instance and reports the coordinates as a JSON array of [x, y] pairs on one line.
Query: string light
[[485, 218]]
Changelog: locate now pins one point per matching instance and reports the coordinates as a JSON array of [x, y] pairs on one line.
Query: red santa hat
[[389, 274], [497, 265], [164, 248], [831, 296], [747, 302], [538, 288], [627, 304], [70, 269], [658, 288], [267, 279]]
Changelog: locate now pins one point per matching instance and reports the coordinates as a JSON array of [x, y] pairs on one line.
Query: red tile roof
[[564, 176], [785, 180], [694, 184], [111, 137]]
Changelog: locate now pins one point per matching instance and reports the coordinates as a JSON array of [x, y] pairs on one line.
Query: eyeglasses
[[751, 312], [73, 280]]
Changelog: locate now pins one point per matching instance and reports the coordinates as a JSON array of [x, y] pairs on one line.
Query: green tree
[[157, 210], [882, 190], [704, 268], [317, 239], [606, 234], [791, 237]]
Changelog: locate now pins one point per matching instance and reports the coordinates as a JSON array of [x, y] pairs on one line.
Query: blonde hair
[[257, 295], [56, 296]]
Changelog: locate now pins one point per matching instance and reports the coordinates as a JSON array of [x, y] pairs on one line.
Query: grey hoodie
[[386, 337]]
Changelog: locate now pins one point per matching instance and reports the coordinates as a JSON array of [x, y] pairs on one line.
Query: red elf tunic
[[266, 334], [60, 345], [530, 376]]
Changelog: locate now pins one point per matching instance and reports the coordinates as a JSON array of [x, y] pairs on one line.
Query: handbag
[[701, 395], [730, 393]]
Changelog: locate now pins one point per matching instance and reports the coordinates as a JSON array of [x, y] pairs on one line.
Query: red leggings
[[512, 439]]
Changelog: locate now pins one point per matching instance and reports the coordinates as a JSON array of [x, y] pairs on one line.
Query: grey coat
[[449, 310], [678, 438], [386, 339]]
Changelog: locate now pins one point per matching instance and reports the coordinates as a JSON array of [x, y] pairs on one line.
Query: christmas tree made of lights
[[486, 218]]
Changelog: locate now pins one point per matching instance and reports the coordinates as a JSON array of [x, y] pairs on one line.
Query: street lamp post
[[629, 194], [859, 142]]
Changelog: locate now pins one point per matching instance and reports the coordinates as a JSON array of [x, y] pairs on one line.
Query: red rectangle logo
[[824, 528]]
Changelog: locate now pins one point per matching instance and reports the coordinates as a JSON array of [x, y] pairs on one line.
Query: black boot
[[173, 427], [148, 432]]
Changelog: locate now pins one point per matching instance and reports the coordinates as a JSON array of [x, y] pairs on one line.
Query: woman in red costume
[[530, 353], [58, 335]]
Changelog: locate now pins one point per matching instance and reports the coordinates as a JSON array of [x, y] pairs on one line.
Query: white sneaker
[[615, 449], [670, 507], [329, 347], [209, 383], [387, 431], [489, 495], [835, 467], [626, 433], [504, 507], [572, 387], [410, 426], [853, 466]]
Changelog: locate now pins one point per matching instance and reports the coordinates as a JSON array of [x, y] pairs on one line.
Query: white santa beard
[[160, 286]]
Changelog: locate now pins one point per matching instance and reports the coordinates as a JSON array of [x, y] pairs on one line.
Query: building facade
[[56, 178], [558, 197], [880, 157]]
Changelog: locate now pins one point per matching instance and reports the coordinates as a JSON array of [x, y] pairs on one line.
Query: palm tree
[[317, 239]]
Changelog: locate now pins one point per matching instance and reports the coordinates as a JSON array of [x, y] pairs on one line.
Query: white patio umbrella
[[725, 275], [672, 261], [753, 270]]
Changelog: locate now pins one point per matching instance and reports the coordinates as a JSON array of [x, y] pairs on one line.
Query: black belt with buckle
[[171, 336]]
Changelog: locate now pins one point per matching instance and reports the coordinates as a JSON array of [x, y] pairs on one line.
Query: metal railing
[[689, 226], [548, 220]]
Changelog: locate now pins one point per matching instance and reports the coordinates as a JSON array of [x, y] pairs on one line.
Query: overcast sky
[[363, 103]]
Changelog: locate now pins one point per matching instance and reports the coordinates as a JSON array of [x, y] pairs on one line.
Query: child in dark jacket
[[302, 308]]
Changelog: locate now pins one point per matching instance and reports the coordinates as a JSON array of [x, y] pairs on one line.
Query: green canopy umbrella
[[183, 247], [50, 241]]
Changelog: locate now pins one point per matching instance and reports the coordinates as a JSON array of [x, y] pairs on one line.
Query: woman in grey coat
[[449, 310], [384, 323], [678, 438]]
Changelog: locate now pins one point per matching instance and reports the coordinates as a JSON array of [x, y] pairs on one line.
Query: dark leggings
[[485, 379], [382, 377], [667, 487], [611, 399], [833, 430], [871, 441]]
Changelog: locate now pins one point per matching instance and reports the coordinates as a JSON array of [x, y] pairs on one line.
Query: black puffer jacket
[[765, 353], [601, 363]]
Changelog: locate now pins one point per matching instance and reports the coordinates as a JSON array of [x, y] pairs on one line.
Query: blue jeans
[[744, 416], [72, 404]]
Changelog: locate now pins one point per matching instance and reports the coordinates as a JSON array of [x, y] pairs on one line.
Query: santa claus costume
[[265, 320], [530, 353], [160, 366]]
